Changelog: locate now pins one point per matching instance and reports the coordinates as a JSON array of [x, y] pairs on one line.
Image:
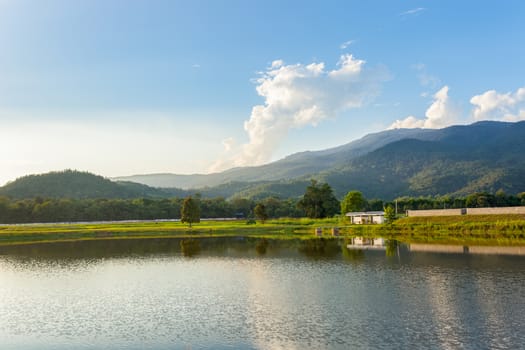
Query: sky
[[122, 87]]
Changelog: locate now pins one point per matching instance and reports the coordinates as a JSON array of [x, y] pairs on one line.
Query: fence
[[467, 211]]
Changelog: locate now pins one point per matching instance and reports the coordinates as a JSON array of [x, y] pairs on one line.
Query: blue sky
[[127, 87]]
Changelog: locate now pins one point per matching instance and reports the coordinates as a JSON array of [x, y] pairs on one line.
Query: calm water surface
[[144, 294]]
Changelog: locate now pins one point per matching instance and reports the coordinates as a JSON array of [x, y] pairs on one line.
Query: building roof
[[366, 213]]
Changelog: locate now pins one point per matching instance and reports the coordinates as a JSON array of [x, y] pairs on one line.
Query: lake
[[145, 294]]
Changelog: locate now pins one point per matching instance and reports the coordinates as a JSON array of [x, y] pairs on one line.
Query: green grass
[[53, 232], [472, 229]]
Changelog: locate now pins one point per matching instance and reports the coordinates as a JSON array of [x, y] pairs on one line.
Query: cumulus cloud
[[298, 95], [492, 105], [409, 122], [441, 113]]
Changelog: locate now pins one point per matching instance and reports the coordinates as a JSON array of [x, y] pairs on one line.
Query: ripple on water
[[167, 301]]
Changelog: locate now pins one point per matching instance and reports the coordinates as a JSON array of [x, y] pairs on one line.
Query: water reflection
[[261, 246], [392, 247], [190, 247], [146, 294], [313, 248], [461, 249], [353, 254], [319, 247]]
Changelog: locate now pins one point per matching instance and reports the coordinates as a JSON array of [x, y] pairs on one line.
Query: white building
[[367, 217]]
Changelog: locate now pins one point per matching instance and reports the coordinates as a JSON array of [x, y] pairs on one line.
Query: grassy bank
[[465, 229], [474, 229]]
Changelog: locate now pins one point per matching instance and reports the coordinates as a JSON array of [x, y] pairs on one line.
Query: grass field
[[473, 229], [280, 229]]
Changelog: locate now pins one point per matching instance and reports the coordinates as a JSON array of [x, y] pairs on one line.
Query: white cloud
[[228, 144], [409, 122], [492, 105], [298, 95], [441, 113], [346, 44], [413, 12]]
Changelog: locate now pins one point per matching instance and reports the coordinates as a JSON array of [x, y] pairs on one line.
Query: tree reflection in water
[[352, 254], [190, 247]]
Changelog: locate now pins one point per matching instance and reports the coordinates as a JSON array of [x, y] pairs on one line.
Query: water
[[143, 294]]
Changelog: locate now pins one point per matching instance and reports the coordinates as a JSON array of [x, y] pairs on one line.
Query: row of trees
[[317, 202], [70, 210], [475, 200]]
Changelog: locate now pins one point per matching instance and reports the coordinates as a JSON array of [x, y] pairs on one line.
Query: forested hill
[[80, 185], [459, 161]]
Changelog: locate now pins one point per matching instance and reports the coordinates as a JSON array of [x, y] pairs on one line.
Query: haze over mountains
[[485, 156], [293, 166], [458, 160]]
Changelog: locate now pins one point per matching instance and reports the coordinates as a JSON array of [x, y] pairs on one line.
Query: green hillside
[[79, 185], [461, 160]]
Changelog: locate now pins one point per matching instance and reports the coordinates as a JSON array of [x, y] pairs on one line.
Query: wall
[[502, 210], [468, 211], [436, 212]]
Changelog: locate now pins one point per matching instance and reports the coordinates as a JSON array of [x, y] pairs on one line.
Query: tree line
[[318, 201], [70, 210]]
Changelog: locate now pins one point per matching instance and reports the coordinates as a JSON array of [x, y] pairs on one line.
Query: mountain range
[[457, 160], [291, 167]]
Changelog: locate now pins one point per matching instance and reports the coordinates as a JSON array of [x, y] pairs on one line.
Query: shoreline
[[508, 230]]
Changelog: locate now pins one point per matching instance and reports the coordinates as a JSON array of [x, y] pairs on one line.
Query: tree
[[480, 200], [242, 206], [190, 211], [374, 205], [390, 214], [260, 212], [501, 198], [319, 201], [353, 201], [521, 197]]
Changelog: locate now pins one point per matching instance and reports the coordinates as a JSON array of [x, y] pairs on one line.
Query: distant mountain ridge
[[458, 160], [290, 167]]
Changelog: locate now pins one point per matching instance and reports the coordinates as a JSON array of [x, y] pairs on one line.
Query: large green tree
[[190, 211], [319, 201], [353, 201], [260, 212]]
